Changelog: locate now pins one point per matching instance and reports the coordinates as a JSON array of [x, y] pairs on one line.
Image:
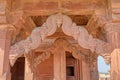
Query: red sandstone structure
[[58, 39]]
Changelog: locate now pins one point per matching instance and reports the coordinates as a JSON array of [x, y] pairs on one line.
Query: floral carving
[[33, 61], [80, 34]]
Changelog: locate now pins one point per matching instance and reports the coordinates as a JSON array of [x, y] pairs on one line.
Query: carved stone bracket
[[41, 58], [34, 61], [113, 36], [107, 58], [112, 27], [115, 65]]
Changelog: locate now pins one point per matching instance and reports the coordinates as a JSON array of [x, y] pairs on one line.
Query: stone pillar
[[93, 66], [78, 69], [28, 72], [113, 36], [5, 41], [60, 65], [86, 71], [115, 64]]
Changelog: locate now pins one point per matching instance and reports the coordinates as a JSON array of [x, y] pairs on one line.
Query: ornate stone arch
[[59, 43], [70, 28]]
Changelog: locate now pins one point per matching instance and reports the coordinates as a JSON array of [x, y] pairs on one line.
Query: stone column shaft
[[28, 72], [85, 71], [115, 65], [78, 70], [60, 65], [5, 42]]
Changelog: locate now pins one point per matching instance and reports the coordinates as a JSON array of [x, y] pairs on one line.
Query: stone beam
[[50, 12], [35, 8]]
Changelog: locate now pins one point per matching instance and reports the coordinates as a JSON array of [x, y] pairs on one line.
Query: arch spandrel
[[38, 35]]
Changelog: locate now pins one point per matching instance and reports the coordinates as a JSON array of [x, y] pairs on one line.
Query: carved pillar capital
[[107, 58], [113, 34], [112, 27], [16, 17], [6, 28]]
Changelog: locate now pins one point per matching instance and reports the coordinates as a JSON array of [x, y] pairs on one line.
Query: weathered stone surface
[[100, 33], [5, 41], [49, 27], [115, 64]]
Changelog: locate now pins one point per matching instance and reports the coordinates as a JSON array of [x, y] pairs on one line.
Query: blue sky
[[102, 66]]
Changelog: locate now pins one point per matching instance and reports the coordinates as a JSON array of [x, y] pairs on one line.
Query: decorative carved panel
[[69, 28]]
